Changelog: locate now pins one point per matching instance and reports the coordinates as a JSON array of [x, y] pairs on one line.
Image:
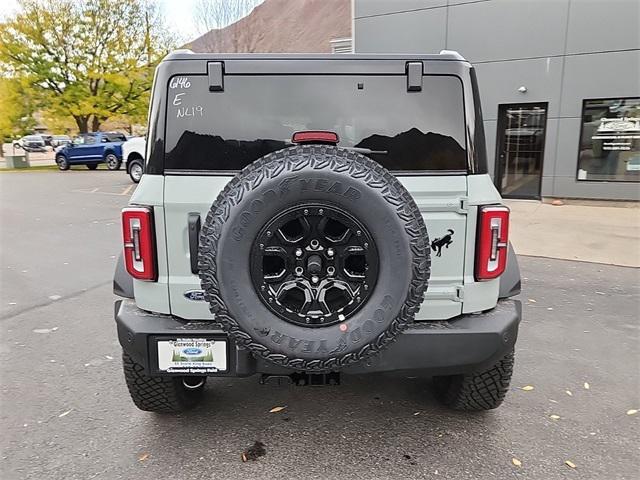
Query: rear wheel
[[484, 390], [92, 166], [135, 171], [161, 394], [62, 162], [113, 162]]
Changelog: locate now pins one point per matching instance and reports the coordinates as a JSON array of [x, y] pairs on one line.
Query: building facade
[[559, 82]]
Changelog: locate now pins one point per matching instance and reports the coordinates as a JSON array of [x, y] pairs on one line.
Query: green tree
[[15, 110], [90, 60]]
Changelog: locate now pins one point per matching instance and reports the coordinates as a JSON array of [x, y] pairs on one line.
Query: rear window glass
[[114, 137], [256, 115]]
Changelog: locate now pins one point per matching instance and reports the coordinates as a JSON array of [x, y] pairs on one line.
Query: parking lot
[[66, 413]]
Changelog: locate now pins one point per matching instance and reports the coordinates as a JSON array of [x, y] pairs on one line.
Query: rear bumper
[[461, 345]]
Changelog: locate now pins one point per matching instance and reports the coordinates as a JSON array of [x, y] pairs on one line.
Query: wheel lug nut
[[315, 279], [298, 252], [268, 234], [315, 243], [330, 252], [306, 212], [298, 271], [331, 270], [321, 211]]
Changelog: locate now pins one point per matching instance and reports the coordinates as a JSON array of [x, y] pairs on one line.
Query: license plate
[[192, 355]]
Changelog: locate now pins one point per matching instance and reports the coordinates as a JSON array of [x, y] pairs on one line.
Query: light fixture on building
[[522, 89]]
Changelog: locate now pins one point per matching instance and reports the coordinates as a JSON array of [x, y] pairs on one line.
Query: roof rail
[[453, 53]]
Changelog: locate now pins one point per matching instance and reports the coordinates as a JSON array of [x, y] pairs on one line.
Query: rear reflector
[[139, 243], [492, 242], [315, 136]]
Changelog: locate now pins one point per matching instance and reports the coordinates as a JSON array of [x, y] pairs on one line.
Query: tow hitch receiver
[[302, 379]]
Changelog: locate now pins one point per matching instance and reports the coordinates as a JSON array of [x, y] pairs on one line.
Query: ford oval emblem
[[191, 351], [194, 295]]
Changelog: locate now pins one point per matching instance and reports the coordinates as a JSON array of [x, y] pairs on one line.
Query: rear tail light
[[139, 243], [492, 242]]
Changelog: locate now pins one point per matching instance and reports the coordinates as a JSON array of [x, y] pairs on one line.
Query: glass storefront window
[[610, 140]]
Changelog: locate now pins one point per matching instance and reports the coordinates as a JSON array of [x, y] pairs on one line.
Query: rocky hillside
[[300, 26]]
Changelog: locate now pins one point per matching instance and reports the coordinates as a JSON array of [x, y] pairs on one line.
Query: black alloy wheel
[[314, 265]]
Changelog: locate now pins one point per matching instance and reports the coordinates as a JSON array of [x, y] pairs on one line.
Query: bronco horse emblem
[[445, 241]]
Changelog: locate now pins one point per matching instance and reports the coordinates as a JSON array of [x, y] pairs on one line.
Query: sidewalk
[[601, 234]]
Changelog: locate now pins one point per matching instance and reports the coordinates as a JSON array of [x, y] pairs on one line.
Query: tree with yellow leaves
[[87, 60]]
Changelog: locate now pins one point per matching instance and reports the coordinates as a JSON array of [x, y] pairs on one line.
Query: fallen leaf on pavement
[[143, 457], [277, 409], [516, 462], [633, 411], [531, 300], [64, 414], [587, 386], [415, 414], [554, 417], [568, 392], [569, 463], [527, 388], [253, 452]]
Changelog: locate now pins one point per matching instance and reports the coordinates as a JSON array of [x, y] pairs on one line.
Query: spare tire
[[314, 257]]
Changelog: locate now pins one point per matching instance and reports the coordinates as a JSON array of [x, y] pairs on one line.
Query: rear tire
[[158, 394], [92, 166], [113, 162], [484, 390]]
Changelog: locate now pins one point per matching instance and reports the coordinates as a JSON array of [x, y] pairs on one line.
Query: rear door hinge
[[414, 76], [215, 72]]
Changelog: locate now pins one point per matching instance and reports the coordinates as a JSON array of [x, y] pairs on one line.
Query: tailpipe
[[192, 383]]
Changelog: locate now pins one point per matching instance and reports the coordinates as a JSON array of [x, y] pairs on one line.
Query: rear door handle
[[194, 234]]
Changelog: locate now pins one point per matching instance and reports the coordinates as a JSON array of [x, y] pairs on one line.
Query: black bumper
[[463, 344]]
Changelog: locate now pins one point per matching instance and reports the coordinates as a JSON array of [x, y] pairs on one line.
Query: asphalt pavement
[[65, 412]]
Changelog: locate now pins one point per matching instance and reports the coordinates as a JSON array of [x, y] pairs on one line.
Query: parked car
[[91, 149], [31, 143], [293, 235], [60, 140], [133, 151]]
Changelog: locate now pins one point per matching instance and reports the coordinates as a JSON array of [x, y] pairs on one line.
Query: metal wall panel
[[412, 32], [599, 75], [597, 26], [381, 7], [499, 83], [506, 29]]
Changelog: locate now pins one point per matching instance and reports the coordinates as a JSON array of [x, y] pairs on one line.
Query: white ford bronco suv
[[309, 216]]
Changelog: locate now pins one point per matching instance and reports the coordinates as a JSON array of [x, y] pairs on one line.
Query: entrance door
[[521, 132]]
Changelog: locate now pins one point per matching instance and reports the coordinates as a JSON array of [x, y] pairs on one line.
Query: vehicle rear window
[[256, 115], [115, 137]]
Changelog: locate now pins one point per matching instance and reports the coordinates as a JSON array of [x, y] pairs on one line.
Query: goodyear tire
[[365, 303]]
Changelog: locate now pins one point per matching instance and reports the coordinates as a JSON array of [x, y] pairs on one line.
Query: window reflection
[[610, 140]]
